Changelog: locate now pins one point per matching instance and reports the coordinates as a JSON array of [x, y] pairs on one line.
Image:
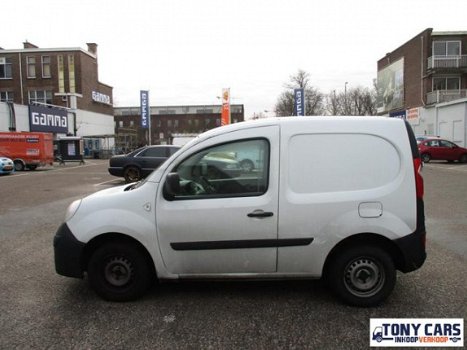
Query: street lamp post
[[345, 97]]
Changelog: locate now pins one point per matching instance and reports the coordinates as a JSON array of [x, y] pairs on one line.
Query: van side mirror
[[172, 185]]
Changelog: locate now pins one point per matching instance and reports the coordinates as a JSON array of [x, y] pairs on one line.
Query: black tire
[[426, 158], [463, 158], [362, 275], [32, 167], [19, 165], [132, 174], [247, 165], [120, 271]]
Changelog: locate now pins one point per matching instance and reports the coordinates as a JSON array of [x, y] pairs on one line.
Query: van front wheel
[[362, 275], [119, 271]]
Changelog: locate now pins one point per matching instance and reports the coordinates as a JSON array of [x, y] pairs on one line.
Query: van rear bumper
[[412, 248], [68, 252]]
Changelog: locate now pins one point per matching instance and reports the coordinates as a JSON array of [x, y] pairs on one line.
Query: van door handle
[[260, 214]]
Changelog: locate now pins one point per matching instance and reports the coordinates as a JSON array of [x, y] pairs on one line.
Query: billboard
[[299, 102], [390, 87], [144, 105], [48, 119], [413, 115]]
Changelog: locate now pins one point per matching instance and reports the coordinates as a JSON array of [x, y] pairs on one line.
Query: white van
[[339, 198]]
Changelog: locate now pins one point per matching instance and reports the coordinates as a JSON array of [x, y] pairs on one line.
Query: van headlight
[[72, 209]]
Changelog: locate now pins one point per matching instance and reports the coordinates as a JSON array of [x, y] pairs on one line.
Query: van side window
[[229, 170]]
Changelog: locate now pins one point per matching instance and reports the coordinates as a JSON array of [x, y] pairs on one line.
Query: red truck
[[27, 149]]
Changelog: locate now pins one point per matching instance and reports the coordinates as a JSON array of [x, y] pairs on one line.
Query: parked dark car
[[439, 149], [140, 163]]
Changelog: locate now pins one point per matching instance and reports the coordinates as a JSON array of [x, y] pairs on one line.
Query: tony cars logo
[[420, 332]]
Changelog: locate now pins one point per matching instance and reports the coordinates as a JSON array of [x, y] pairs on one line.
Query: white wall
[[451, 123], [92, 124], [22, 117], [448, 120], [88, 124]]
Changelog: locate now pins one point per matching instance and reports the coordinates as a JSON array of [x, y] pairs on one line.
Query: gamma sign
[[48, 119]]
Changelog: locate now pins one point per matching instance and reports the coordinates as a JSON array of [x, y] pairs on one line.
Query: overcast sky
[[185, 51]]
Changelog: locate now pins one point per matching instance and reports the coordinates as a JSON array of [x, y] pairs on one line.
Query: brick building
[[167, 121], [54, 76], [428, 69], [425, 82]]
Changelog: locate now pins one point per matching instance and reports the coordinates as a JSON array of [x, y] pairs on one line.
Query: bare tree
[[357, 101], [314, 99], [285, 104], [335, 103]]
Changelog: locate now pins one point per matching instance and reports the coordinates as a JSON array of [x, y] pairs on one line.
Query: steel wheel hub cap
[[118, 271], [363, 277]]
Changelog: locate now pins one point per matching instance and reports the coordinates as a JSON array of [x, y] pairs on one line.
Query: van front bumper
[[68, 252]]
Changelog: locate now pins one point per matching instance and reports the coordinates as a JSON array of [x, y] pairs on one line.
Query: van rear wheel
[[362, 275], [119, 271]]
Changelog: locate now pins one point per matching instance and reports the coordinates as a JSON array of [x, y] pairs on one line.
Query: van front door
[[220, 218]]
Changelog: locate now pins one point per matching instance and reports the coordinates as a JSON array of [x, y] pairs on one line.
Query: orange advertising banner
[[225, 115]]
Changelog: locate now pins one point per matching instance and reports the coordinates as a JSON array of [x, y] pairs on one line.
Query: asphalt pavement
[[42, 310]]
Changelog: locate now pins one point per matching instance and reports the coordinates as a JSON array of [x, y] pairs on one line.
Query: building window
[[120, 123], [46, 67], [169, 123], [446, 83], [176, 123], [132, 123], [41, 96], [446, 48], [6, 96], [31, 62], [5, 68]]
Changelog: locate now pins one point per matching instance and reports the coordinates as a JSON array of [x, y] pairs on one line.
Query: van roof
[[341, 120]]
